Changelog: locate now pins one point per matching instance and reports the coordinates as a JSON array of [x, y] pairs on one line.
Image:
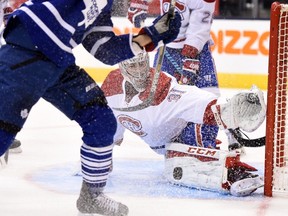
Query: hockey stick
[[258, 142], [148, 102]]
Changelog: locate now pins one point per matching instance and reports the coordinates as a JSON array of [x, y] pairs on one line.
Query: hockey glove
[[137, 12], [164, 28], [246, 110], [191, 65]]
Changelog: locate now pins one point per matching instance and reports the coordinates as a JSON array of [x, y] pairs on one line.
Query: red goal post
[[276, 155]]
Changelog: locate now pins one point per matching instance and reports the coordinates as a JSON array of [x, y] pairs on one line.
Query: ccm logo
[[237, 42], [201, 151]]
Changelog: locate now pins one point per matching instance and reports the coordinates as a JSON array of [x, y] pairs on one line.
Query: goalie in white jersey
[[174, 105], [189, 57]]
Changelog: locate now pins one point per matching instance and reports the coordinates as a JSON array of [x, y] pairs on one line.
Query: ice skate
[[243, 183], [90, 204], [15, 147]]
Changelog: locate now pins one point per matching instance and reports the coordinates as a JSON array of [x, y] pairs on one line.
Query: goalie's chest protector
[[53, 25]]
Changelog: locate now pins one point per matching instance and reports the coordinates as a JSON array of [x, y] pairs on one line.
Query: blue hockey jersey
[[56, 27]]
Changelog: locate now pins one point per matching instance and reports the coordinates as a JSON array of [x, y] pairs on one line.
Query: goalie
[[201, 164]]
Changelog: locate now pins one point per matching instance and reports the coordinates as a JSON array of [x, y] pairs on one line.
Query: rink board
[[226, 80]]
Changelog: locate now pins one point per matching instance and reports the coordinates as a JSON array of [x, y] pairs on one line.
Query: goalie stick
[[247, 142], [148, 102]]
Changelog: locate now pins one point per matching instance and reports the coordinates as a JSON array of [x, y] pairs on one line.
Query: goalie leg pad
[[246, 110], [209, 169], [188, 172], [197, 167]]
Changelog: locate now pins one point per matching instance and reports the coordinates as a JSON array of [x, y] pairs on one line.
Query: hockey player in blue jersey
[[37, 62]]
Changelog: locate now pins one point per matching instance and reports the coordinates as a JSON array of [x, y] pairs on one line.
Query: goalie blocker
[[210, 169]]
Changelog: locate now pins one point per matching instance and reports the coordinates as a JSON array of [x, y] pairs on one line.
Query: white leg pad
[[196, 167]]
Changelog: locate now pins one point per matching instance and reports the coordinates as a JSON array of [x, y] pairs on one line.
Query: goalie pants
[[194, 134]]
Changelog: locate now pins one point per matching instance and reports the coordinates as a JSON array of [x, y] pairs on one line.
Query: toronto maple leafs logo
[[92, 10]]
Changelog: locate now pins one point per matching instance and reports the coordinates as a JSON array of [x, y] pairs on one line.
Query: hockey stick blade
[[247, 142], [258, 142]]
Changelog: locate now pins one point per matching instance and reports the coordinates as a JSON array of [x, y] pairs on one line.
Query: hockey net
[[276, 155]]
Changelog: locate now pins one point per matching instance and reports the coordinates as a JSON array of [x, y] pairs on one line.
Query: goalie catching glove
[[165, 28], [210, 169], [246, 110], [137, 12]]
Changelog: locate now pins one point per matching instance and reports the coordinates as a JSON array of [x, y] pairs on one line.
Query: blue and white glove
[[137, 12], [165, 28], [191, 65]]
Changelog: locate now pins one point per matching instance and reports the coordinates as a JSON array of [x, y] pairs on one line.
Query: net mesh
[[280, 167]]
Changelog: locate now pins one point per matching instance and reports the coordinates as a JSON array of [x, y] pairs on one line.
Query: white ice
[[50, 140]]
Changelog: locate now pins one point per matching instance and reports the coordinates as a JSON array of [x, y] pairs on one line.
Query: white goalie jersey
[[174, 105]]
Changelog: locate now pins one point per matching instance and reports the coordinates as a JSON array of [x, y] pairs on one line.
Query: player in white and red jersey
[[189, 57], [173, 106]]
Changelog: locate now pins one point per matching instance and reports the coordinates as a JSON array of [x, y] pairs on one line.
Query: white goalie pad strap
[[196, 167], [246, 110]]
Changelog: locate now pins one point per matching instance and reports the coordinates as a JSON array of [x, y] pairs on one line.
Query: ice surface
[[43, 180]]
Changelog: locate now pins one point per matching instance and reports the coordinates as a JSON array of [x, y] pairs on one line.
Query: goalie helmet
[[136, 71]]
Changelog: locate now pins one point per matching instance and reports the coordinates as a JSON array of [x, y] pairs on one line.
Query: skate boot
[[243, 183], [15, 147], [90, 204]]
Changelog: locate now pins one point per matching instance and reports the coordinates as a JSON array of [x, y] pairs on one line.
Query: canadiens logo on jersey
[[131, 124], [174, 95], [92, 10]]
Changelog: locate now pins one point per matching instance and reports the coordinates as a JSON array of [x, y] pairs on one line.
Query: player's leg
[[172, 62], [19, 89], [6, 139], [81, 99]]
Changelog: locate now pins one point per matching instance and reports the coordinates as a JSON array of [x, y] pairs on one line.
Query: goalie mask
[[136, 71]]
